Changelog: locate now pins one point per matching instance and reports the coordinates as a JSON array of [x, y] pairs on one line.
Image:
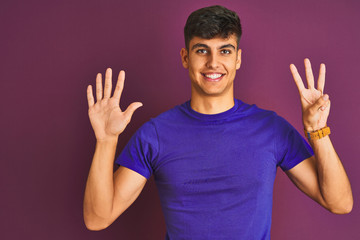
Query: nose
[[212, 61]]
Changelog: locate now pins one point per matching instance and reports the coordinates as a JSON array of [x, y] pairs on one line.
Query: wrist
[[317, 134], [311, 128], [108, 139]]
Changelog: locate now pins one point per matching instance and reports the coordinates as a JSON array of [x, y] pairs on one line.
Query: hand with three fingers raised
[[314, 103]]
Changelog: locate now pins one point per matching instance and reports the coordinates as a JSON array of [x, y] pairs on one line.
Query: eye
[[225, 51], [202, 51]]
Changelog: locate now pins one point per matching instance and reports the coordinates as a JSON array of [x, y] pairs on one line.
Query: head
[[210, 22], [212, 55]]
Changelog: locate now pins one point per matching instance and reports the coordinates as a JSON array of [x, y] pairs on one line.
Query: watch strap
[[318, 133]]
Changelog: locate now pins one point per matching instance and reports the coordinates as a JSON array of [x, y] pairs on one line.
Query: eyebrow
[[201, 45]]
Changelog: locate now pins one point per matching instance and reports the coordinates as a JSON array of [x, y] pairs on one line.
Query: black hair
[[210, 22]]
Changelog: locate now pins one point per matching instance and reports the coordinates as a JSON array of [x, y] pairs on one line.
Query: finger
[[321, 103], [90, 96], [108, 85], [131, 109], [119, 85], [298, 81], [324, 107], [309, 73], [321, 79], [98, 87]]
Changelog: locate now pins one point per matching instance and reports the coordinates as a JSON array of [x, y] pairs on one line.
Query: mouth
[[213, 77]]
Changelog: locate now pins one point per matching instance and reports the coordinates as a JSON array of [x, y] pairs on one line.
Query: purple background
[[51, 50]]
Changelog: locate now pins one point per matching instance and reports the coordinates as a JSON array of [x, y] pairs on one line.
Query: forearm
[[99, 191], [333, 181]]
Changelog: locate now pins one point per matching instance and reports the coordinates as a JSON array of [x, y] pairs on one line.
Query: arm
[[107, 195], [322, 177]]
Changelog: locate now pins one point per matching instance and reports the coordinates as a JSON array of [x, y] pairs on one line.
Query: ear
[[184, 58], [238, 59]]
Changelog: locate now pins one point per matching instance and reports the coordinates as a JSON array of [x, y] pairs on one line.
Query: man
[[214, 157]]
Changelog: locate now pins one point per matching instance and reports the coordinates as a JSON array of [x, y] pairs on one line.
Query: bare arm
[[107, 195], [322, 177]]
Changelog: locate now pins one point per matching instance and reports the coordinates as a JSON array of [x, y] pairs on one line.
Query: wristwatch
[[318, 133]]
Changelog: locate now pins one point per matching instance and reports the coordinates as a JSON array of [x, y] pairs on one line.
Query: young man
[[214, 157]]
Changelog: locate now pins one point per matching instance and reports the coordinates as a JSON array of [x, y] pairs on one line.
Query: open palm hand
[[106, 117]]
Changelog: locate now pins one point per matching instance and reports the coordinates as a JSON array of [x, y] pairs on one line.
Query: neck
[[211, 105]]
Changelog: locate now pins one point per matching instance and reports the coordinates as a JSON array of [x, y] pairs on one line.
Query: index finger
[[321, 79], [298, 81], [119, 86]]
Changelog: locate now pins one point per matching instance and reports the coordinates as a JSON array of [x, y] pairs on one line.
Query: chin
[[218, 91], [214, 92]]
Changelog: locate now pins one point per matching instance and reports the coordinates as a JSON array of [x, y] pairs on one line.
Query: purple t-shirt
[[215, 173]]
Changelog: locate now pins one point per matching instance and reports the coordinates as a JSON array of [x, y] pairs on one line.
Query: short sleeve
[[291, 147], [141, 151]]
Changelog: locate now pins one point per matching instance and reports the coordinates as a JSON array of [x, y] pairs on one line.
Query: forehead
[[214, 42]]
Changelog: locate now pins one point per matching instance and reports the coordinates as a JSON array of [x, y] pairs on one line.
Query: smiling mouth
[[213, 76]]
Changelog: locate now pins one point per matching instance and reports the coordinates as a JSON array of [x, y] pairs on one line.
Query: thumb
[[131, 109], [321, 103]]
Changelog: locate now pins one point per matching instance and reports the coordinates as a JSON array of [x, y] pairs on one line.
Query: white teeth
[[213, 76]]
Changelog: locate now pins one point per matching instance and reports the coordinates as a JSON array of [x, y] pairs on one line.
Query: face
[[212, 65]]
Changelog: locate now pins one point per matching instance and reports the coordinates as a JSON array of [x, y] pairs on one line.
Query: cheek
[[194, 66], [230, 67]]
